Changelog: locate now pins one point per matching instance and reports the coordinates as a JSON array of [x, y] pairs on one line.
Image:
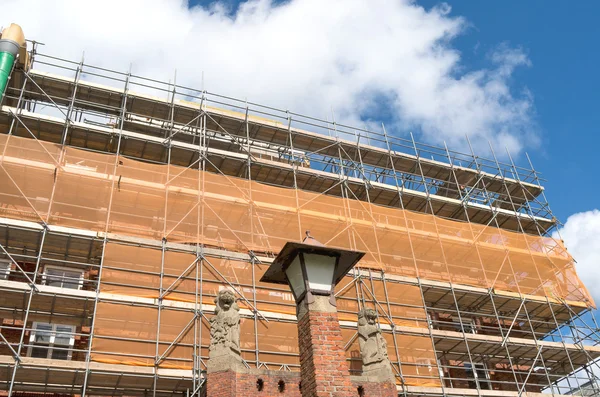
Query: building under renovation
[[127, 204]]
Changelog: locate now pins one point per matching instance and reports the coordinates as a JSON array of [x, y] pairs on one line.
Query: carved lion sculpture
[[225, 326], [373, 347]]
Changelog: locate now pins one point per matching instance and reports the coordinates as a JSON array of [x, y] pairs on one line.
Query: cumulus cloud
[[366, 60], [581, 234]]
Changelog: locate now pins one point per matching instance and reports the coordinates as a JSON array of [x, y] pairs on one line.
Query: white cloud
[[581, 234], [356, 57]]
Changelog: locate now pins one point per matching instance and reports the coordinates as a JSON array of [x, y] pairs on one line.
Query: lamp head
[[310, 268]]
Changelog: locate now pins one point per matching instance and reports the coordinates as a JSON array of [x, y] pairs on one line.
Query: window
[[5, 266], [423, 366], [51, 341], [482, 376], [64, 278], [468, 324]]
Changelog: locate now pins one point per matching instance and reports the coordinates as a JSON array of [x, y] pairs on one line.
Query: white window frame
[[50, 345], [424, 364], [5, 268], [66, 269], [475, 368], [470, 326]]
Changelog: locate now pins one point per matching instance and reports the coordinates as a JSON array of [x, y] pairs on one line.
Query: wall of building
[[229, 384]]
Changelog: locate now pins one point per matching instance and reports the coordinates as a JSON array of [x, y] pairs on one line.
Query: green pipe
[[7, 61], [11, 41]]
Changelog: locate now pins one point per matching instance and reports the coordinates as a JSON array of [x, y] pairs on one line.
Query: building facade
[[128, 203]]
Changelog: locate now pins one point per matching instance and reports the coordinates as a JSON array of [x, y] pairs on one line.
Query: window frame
[[469, 326], [5, 272], [51, 346], [472, 369], [79, 282]]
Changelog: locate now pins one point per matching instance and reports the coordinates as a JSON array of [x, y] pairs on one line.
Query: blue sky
[[558, 38]]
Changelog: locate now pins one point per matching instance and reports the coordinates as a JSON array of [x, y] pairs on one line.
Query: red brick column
[[324, 371], [230, 383], [221, 384], [375, 389], [388, 389]]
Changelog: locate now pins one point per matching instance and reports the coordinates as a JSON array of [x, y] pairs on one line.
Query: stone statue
[[373, 347], [225, 329]]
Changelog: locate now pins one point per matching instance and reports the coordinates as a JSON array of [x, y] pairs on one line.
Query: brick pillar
[[221, 384], [324, 371]]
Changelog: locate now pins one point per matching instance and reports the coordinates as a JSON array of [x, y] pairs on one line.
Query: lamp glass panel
[[319, 270], [295, 278]]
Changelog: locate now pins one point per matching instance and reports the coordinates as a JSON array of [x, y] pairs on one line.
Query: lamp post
[[312, 271], [310, 268]]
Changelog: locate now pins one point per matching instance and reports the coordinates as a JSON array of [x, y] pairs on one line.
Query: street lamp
[[310, 268]]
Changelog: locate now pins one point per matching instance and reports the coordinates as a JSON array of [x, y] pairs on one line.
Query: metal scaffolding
[[119, 184]]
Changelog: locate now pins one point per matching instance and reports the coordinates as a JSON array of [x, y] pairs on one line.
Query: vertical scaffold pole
[[430, 205], [105, 240], [490, 288], [400, 192], [32, 292]]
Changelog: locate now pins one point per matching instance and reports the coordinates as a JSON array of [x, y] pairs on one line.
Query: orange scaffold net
[[105, 193]]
